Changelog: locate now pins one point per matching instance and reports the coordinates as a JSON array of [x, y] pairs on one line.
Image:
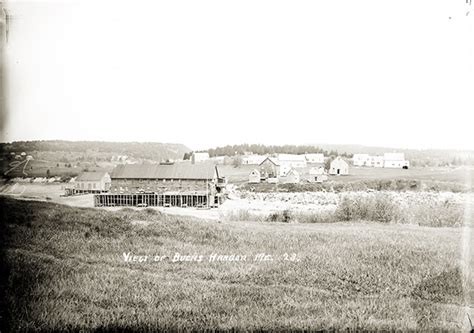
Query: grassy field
[[39, 168], [379, 179], [65, 270], [441, 174]]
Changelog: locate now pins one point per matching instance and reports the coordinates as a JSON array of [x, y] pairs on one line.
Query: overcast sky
[[210, 73]]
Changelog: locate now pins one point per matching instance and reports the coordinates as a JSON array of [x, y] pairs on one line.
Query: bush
[[384, 209], [283, 216]]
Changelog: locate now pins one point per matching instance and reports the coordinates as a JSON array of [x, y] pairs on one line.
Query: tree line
[[259, 149]]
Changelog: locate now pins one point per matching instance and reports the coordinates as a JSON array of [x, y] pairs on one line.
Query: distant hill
[[140, 150]]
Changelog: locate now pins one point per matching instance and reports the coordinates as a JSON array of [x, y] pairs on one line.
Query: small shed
[[254, 177], [339, 167]]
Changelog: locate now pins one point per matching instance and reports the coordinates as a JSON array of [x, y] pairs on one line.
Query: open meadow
[[64, 269], [455, 175]]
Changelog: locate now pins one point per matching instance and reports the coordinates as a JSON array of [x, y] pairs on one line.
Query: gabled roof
[[271, 160], [202, 171], [291, 171], [92, 176], [338, 159]]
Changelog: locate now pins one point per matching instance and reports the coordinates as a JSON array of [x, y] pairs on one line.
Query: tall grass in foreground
[[64, 271], [380, 207]]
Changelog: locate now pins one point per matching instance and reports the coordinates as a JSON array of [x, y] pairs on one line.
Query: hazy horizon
[[213, 73]]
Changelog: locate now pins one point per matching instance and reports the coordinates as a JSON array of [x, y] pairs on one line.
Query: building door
[[338, 171]]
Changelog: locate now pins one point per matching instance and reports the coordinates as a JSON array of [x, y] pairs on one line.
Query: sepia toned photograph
[[236, 166]]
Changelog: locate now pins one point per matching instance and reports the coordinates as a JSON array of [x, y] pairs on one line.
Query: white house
[[254, 177], [199, 157], [395, 160], [339, 167], [291, 177], [284, 169], [314, 158], [376, 161], [360, 159], [294, 161], [92, 182]]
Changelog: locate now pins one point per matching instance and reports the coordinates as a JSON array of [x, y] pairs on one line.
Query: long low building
[[176, 184], [388, 160]]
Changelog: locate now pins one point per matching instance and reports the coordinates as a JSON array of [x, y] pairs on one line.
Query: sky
[[211, 73]]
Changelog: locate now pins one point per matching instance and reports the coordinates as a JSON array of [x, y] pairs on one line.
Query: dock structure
[[172, 199]]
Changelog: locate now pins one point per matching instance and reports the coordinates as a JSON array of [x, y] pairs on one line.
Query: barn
[[395, 160], [254, 177], [269, 168], [339, 167], [92, 182]]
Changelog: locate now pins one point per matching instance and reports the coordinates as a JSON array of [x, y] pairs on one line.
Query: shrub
[[384, 209], [283, 216]]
